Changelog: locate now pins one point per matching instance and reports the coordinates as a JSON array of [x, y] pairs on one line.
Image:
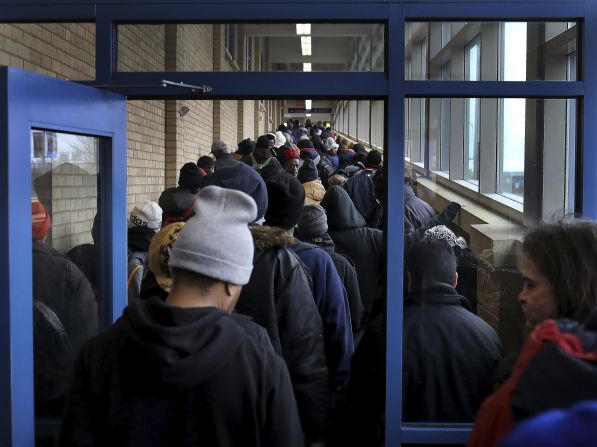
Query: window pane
[[66, 258], [510, 51], [525, 168], [251, 47]]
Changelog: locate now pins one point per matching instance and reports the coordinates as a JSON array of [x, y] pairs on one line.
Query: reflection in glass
[[251, 47], [525, 172], [65, 170], [510, 51]]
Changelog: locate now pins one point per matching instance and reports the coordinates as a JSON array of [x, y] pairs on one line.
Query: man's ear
[[455, 280]]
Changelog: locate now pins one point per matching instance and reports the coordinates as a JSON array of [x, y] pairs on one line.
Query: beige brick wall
[[246, 120], [62, 50], [141, 48]]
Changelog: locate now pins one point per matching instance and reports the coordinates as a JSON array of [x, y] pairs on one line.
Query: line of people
[[257, 307]]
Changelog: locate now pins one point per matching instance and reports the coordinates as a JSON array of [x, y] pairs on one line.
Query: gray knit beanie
[[216, 241], [313, 222]]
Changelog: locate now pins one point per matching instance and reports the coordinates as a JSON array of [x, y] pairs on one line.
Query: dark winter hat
[[310, 154], [191, 177], [313, 222], [242, 177], [264, 142], [286, 199], [246, 147], [303, 144], [359, 148], [373, 159], [271, 170], [205, 162], [282, 128], [176, 204], [359, 158], [307, 172], [216, 241]]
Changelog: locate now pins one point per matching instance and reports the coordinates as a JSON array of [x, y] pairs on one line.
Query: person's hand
[[451, 211]]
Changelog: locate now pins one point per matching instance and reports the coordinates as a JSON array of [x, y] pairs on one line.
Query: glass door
[[63, 258]]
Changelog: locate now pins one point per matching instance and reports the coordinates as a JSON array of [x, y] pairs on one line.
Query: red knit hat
[[40, 220], [291, 152]]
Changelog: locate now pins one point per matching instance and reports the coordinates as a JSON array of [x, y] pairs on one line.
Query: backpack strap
[[133, 273]]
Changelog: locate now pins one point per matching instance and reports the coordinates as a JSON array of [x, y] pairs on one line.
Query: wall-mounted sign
[[313, 110]]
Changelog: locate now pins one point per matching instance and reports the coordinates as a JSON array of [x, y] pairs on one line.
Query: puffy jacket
[[332, 304], [364, 246], [417, 213], [278, 297], [347, 273], [314, 192], [360, 189], [451, 355]]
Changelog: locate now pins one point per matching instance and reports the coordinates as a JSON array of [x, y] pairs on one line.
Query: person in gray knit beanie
[[313, 222], [216, 241]]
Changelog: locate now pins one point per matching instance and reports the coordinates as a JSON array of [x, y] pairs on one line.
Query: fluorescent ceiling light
[[307, 114], [306, 45], [303, 29], [306, 66], [308, 104]]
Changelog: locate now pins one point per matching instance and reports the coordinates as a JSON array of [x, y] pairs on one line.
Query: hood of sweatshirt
[[178, 347], [341, 212], [139, 238]]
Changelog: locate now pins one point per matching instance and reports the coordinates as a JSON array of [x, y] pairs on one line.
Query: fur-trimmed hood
[[268, 237]]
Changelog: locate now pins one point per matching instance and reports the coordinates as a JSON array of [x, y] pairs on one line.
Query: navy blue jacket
[[332, 304]]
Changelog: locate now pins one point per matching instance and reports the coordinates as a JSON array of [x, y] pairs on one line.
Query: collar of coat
[[268, 237]]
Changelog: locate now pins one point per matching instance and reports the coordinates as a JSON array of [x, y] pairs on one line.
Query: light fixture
[[183, 111], [303, 29], [306, 45], [307, 114], [308, 104], [306, 66]]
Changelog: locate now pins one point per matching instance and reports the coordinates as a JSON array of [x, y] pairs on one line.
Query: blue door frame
[[389, 86], [29, 101]]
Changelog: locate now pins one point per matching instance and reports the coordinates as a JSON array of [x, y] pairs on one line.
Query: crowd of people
[[256, 312]]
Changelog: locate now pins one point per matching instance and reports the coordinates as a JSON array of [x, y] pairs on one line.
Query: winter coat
[[360, 189], [364, 246], [226, 161], [139, 239], [332, 304], [60, 285], [278, 297], [314, 192], [271, 161], [557, 368], [450, 357], [348, 276], [87, 258], [187, 377], [417, 213]]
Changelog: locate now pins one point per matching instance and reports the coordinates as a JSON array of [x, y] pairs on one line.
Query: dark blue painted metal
[[105, 38], [456, 434], [32, 100], [248, 12], [489, 89], [15, 11], [257, 85], [589, 147], [486, 10], [394, 161]]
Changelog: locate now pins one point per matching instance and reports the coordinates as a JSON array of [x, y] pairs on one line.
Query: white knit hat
[[280, 139], [146, 214], [216, 241]]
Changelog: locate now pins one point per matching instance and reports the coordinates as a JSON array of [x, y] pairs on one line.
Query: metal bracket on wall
[[163, 83]]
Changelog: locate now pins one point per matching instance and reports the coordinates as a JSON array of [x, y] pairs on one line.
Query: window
[[249, 59], [472, 111], [444, 140], [230, 40], [570, 137]]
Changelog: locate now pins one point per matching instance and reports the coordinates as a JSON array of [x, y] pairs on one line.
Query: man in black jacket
[[278, 297], [450, 354], [182, 372]]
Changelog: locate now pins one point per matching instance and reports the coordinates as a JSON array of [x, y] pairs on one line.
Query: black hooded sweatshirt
[[179, 377], [364, 246]]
